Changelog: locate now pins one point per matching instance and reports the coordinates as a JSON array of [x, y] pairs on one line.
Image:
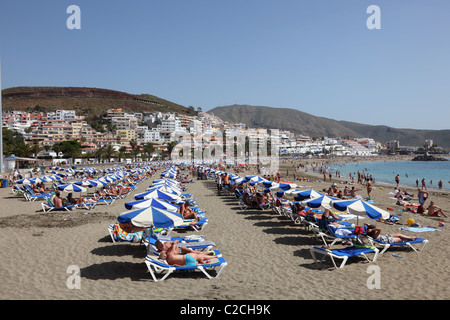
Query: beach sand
[[268, 255]]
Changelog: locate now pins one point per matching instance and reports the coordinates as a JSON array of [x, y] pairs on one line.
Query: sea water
[[385, 171]]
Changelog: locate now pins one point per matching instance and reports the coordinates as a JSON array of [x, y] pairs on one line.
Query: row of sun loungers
[[47, 198], [159, 269], [330, 234]]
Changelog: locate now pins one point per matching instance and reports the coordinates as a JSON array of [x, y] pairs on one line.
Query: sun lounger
[[34, 197], [30, 195], [196, 245], [325, 232], [197, 225], [408, 244], [105, 200], [48, 206], [118, 234], [158, 266], [344, 254], [18, 190]]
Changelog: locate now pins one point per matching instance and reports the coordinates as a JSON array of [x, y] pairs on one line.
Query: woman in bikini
[[375, 233]]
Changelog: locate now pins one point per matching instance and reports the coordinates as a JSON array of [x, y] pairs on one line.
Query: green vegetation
[[69, 148]]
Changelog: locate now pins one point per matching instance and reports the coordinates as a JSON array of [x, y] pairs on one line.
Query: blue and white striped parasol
[[71, 188], [153, 202], [324, 201], [151, 217], [360, 207], [156, 193]]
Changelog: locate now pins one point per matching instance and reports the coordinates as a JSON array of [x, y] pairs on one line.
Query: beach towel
[[417, 229], [342, 232], [120, 234], [349, 216]]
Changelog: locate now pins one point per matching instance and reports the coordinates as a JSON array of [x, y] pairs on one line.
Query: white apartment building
[[144, 134], [65, 115], [171, 124], [125, 123]]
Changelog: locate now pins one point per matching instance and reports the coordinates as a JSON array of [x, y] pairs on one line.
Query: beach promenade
[[268, 255]]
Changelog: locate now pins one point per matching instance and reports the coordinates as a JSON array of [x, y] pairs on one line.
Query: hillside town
[[121, 135]]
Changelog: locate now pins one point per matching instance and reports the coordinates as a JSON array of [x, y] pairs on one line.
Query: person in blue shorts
[[173, 257]]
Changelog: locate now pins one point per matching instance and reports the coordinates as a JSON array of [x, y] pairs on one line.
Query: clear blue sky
[[315, 56]]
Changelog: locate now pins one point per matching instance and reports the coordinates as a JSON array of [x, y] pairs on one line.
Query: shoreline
[[327, 162]]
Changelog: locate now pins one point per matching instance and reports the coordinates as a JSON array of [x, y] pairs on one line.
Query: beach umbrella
[[322, 201], [97, 183], [305, 194], [54, 177], [360, 208], [156, 193], [165, 189], [282, 186], [25, 181], [168, 182], [257, 179], [151, 217], [85, 183], [71, 188], [153, 202], [241, 180], [38, 180]]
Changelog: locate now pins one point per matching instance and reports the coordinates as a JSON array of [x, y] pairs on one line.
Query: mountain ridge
[[300, 122], [87, 101]]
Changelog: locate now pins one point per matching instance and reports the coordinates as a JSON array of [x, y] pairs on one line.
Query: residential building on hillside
[[62, 115]]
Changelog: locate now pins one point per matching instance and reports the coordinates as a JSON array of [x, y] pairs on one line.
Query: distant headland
[[428, 157]]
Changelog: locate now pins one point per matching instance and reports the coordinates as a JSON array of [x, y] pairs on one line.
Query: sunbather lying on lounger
[[164, 246], [172, 256], [375, 233], [130, 228], [72, 200]]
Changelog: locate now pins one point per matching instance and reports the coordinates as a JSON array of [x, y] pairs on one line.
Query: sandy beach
[[268, 255]]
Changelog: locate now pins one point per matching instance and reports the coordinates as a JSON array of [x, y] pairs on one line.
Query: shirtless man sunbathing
[[434, 210], [173, 257]]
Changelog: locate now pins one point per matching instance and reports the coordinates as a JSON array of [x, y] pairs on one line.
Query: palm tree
[[57, 148], [109, 152], [26, 150], [170, 147], [88, 155], [148, 149], [99, 153], [35, 149], [136, 152], [134, 148], [121, 152]]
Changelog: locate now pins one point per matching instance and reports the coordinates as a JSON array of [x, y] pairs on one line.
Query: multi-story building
[[125, 123], [126, 134], [62, 115]]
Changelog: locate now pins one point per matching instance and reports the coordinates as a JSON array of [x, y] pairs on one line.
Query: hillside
[[303, 123], [85, 101]]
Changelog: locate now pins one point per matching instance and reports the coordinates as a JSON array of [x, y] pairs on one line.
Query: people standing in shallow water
[[397, 179], [369, 188], [424, 184]]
